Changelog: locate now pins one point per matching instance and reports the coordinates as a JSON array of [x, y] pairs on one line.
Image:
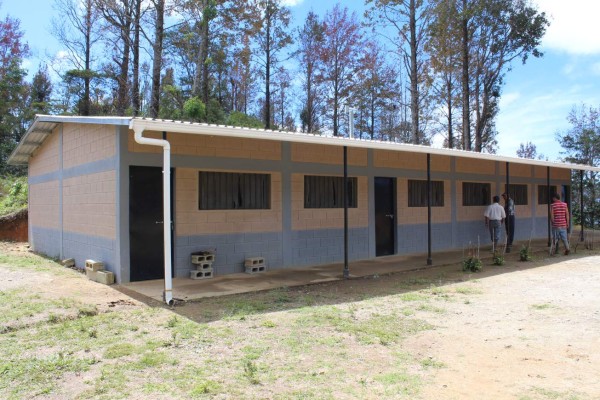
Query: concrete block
[[205, 274], [69, 262], [105, 277], [203, 256], [91, 274], [255, 269], [204, 266], [254, 261], [94, 265]]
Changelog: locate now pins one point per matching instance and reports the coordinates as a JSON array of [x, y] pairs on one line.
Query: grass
[[543, 306], [292, 343], [162, 353]]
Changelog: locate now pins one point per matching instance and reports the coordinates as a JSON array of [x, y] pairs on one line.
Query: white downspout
[[138, 130]]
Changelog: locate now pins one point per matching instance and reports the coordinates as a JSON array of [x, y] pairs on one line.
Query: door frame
[[394, 195], [128, 232]]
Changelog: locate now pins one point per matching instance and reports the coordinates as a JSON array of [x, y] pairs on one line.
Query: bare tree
[[309, 37], [338, 51], [408, 21], [77, 30]]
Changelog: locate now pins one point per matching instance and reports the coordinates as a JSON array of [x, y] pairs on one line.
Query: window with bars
[[234, 191], [417, 193], [518, 193], [543, 193], [476, 194], [328, 192]]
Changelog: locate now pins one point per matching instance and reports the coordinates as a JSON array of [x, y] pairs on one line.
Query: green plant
[[13, 194], [525, 253], [498, 259], [251, 371], [472, 264]]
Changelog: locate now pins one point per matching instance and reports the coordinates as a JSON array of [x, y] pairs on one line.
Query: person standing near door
[[494, 218], [509, 209]]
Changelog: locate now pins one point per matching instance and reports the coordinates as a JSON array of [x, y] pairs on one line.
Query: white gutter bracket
[[138, 131]]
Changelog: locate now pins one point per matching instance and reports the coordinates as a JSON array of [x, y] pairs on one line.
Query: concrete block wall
[[211, 146], [412, 238], [89, 204], [72, 200], [45, 160], [86, 143], [230, 251], [321, 154], [325, 246], [288, 235], [44, 199]]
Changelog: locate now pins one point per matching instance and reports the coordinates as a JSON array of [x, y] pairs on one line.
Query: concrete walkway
[[190, 289]]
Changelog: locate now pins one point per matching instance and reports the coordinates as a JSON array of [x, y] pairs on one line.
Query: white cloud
[[538, 117], [292, 3], [509, 98], [574, 26]]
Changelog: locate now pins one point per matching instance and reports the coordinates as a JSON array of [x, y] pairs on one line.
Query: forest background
[[414, 71]]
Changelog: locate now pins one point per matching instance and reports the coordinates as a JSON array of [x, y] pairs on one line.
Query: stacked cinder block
[[95, 271], [255, 265], [203, 261]]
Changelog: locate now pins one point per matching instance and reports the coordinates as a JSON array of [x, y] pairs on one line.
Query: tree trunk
[[85, 109], [414, 88], [478, 121], [450, 121], [268, 69], [204, 55], [466, 123], [135, 89], [157, 57]]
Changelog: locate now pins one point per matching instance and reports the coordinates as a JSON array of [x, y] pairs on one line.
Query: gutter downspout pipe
[[138, 130]]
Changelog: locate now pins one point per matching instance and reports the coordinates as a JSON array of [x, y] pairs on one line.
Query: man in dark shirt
[[509, 208]]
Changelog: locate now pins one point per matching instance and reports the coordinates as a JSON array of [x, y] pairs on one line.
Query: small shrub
[[472, 264], [525, 254], [498, 259]]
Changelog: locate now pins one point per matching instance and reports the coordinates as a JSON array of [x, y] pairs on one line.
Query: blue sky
[[536, 98]]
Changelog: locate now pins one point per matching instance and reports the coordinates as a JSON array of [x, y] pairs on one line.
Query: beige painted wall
[[85, 143], [43, 205], [327, 218], [322, 154], [45, 159], [412, 161], [472, 166], [90, 204], [189, 220], [211, 146]]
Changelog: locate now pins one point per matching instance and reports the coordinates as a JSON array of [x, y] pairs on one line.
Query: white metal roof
[[43, 125]]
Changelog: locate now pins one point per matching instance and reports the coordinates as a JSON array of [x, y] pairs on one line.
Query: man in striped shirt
[[559, 215]]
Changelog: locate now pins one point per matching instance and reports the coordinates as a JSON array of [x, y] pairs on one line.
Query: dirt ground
[[525, 331]]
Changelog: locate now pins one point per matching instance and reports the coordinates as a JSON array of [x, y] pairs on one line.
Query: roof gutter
[[138, 130]]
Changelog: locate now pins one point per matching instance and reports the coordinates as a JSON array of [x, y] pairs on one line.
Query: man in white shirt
[[494, 218]]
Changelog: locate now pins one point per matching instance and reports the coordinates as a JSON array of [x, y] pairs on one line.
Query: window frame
[[235, 191], [417, 193], [326, 191], [484, 199], [517, 195], [542, 194]]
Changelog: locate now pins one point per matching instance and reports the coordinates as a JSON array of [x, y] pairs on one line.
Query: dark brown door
[[146, 245], [385, 216]]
